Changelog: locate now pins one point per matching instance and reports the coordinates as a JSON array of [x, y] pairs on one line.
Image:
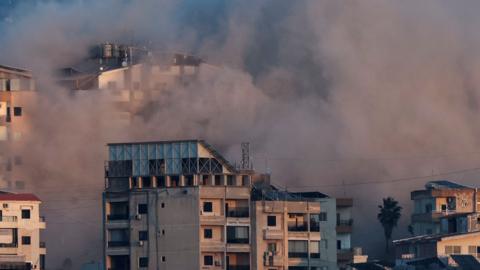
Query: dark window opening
[[189, 180], [143, 262], [26, 240], [208, 260], [17, 111], [207, 233], [143, 208], [231, 180], [146, 182], [143, 235], [174, 181], [161, 181], [207, 207], [272, 221], [218, 180], [25, 214]]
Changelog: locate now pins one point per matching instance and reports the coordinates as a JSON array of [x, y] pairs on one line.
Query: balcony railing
[[118, 243], [238, 267], [298, 227], [315, 255], [237, 240], [8, 218], [345, 222], [118, 217], [42, 219], [314, 226], [8, 245], [239, 212], [42, 245], [297, 254]]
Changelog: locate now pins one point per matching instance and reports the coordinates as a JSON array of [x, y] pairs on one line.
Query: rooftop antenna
[[245, 156]]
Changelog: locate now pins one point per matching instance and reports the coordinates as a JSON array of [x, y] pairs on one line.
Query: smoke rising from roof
[[329, 94]]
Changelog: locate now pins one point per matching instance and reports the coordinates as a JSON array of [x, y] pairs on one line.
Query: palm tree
[[389, 215]]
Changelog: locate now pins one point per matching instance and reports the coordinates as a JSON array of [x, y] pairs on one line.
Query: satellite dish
[[124, 63]]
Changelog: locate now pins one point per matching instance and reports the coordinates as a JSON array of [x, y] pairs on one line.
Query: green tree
[[390, 213]]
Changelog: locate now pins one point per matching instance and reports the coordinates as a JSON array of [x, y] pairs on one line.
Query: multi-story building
[[132, 79], [20, 225], [437, 246], [181, 205], [294, 231], [175, 205], [16, 96], [445, 207]]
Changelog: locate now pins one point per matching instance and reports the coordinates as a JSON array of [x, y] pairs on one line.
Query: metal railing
[[8, 218], [118, 217], [237, 240], [238, 212], [345, 222], [238, 267], [42, 245], [297, 254], [298, 227], [42, 219], [118, 243]]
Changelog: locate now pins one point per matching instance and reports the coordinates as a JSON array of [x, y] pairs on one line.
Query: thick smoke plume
[[364, 99]]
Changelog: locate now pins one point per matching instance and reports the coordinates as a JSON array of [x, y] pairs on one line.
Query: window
[[142, 208], [161, 181], [143, 235], [207, 207], [162, 205], [208, 260], [164, 259], [231, 180], [163, 232], [143, 262], [428, 208], [297, 249], [25, 240], [237, 235], [189, 180], [245, 180], [453, 250], [315, 222], [25, 213], [339, 244], [315, 249], [146, 182], [271, 221], [218, 180], [323, 216], [17, 111], [272, 247], [207, 233], [174, 181]]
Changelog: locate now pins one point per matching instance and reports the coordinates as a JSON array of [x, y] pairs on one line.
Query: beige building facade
[[445, 207], [17, 93], [175, 205], [20, 226]]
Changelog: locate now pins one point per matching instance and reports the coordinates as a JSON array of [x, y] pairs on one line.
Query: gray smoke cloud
[[330, 94]]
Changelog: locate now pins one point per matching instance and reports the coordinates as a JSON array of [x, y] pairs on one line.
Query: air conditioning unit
[[138, 217], [218, 263], [140, 243]]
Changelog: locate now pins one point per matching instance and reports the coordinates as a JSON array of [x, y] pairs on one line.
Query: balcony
[[238, 212], [273, 260], [298, 227], [212, 246], [238, 267], [237, 241], [118, 243], [314, 226], [297, 255], [345, 254], [114, 217], [42, 245], [432, 216], [344, 226], [8, 219]]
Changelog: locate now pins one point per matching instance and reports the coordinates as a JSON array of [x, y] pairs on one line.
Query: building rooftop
[[434, 237], [444, 184], [18, 197], [14, 70], [269, 192]]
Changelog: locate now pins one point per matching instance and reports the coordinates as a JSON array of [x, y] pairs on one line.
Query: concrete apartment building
[[181, 205], [293, 231], [445, 207], [17, 92], [20, 225], [175, 205]]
